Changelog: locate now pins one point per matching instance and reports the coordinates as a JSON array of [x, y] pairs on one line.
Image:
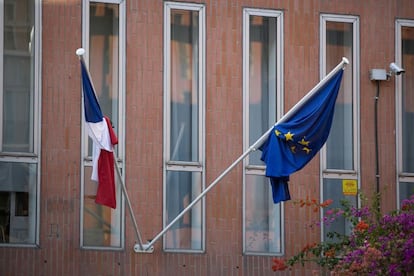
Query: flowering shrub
[[378, 244]]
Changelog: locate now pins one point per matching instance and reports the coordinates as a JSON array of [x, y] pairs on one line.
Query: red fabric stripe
[[105, 194]]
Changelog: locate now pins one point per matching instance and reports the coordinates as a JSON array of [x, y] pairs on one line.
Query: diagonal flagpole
[[145, 248], [252, 148]]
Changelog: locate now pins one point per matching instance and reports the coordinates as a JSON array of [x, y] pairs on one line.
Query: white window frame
[[333, 173], [35, 156], [251, 169], [401, 176], [168, 164], [86, 160]]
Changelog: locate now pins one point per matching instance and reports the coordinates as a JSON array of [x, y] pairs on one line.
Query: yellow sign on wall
[[349, 187]]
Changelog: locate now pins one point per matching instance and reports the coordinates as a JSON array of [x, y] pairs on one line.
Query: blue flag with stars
[[293, 143]]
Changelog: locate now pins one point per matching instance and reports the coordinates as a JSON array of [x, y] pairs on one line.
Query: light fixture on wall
[[379, 75]]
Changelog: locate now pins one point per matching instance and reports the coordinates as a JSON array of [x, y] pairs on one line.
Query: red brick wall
[[59, 252]]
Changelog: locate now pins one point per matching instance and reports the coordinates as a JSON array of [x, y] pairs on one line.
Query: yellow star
[[293, 149], [289, 136], [307, 150], [303, 142], [277, 132]]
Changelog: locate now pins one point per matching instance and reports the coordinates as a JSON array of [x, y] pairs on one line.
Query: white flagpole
[[253, 147], [145, 248]]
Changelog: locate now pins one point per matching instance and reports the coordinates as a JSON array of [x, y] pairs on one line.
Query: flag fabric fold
[[293, 143], [104, 138]]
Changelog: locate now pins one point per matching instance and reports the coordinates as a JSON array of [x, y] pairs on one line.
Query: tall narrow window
[[184, 40], [405, 108], [104, 39], [340, 156], [262, 89], [19, 121]]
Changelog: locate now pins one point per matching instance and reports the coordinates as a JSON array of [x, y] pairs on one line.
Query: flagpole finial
[[345, 60], [80, 52]]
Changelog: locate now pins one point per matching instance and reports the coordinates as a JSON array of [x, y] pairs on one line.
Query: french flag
[[104, 138]]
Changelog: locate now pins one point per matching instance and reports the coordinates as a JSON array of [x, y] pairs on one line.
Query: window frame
[[353, 174], [86, 161], [33, 157], [401, 176], [182, 166], [255, 169]]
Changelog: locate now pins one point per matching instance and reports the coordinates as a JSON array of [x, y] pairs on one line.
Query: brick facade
[[59, 252]]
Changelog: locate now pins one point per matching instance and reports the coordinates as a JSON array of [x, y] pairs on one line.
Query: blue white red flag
[[103, 136]]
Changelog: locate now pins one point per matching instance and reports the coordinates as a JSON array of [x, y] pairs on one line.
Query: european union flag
[[292, 144]]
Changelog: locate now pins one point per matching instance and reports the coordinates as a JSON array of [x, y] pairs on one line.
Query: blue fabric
[[293, 143], [93, 113]]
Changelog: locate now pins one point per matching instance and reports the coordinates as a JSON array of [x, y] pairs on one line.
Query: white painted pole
[[253, 147], [142, 247]]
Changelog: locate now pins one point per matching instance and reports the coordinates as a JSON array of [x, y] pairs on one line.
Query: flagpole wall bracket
[[145, 248]]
